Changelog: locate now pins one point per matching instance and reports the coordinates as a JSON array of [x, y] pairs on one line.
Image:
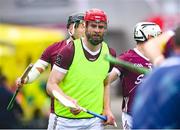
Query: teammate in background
[[156, 105], [75, 28], [79, 74], [159, 48], [143, 31]]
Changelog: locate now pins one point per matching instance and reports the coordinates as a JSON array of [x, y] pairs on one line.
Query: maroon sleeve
[[112, 53], [65, 56], [50, 53], [45, 55]]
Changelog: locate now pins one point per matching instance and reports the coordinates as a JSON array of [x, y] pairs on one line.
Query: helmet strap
[[72, 33], [143, 35]]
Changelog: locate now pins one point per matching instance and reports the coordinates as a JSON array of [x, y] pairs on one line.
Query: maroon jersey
[[130, 80], [65, 57], [50, 53]]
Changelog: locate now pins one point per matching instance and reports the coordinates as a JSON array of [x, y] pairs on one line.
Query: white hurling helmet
[[143, 29]]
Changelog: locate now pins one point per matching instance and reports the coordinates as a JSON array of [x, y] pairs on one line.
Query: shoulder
[[52, 50], [69, 47], [67, 52], [55, 46], [65, 56], [127, 54], [112, 52]]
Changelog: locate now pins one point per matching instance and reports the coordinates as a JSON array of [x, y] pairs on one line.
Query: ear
[[70, 29]]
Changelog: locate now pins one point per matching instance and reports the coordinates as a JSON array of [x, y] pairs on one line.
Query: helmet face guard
[[96, 15], [144, 29], [75, 18]]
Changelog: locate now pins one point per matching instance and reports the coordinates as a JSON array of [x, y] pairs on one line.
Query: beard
[[95, 39]]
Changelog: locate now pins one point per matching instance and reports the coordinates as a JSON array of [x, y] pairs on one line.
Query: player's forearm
[[113, 75], [53, 90], [52, 86], [39, 67], [107, 94], [54, 79]]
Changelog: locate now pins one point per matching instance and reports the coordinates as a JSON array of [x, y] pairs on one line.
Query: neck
[[140, 47], [90, 46], [70, 38]]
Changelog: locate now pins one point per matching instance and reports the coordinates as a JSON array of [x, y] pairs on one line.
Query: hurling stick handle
[[11, 103], [102, 117], [126, 65], [24, 75]]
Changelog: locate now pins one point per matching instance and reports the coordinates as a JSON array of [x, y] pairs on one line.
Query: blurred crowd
[[30, 110], [17, 50]]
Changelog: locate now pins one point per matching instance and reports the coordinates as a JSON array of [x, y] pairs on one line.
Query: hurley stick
[[127, 65], [24, 75]]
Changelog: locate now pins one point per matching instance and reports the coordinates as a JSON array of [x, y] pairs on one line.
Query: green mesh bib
[[84, 82]]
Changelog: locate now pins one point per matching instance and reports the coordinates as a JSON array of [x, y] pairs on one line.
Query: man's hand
[[20, 82], [110, 118], [76, 110]]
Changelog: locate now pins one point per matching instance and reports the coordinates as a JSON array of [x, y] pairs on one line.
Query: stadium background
[[27, 27]]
